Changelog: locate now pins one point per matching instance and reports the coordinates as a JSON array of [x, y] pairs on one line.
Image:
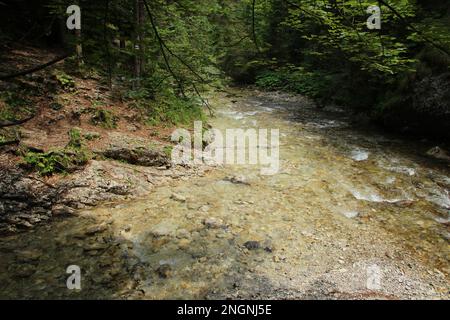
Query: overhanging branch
[[4, 124], [34, 69]]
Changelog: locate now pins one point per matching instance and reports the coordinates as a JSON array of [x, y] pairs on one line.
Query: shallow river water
[[352, 213]]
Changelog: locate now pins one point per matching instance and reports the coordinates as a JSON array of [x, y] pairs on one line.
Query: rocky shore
[[27, 199]]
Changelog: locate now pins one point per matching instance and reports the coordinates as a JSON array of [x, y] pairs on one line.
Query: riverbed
[[353, 213]]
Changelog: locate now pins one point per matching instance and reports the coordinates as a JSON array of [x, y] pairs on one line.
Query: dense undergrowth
[[397, 76]]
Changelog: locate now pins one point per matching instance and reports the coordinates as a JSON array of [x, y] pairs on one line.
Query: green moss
[[66, 160], [58, 161], [173, 111], [75, 139], [168, 150], [64, 80], [91, 136], [15, 104], [104, 118]]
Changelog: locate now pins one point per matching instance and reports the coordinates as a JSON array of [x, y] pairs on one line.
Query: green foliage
[[168, 151], [296, 80], [270, 80], [323, 49], [165, 107], [9, 134], [7, 113], [14, 105], [104, 118], [138, 94], [48, 163], [173, 111], [320, 48], [14, 99], [66, 160], [91, 136], [75, 139], [64, 80], [58, 161]]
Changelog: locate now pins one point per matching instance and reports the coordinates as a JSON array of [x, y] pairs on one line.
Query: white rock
[[178, 197], [350, 214], [164, 228], [360, 155], [213, 223]]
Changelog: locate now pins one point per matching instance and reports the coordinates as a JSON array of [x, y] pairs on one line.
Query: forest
[[92, 91], [322, 49]]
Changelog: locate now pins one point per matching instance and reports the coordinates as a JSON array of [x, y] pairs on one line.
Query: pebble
[[192, 206], [28, 255], [213, 223], [184, 243], [237, 180], [351, 214], [190, 215], [164, 271], [95, 229], [222, 235], [183, 234], [62, 210], [178, 197], [252, 245]]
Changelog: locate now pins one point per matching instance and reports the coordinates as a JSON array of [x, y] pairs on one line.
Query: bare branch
[[409, 25], [255, 39], [162, 46], [4, 124], [34, 69]]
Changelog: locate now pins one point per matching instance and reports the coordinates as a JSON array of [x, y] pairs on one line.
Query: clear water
[[344, 198]]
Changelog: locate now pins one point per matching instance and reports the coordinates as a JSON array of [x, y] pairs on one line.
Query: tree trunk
[[139, 45], [79, 45], [79, 48], [122, 43]]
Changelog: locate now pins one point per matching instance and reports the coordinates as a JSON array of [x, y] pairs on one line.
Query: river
[[352, 213]]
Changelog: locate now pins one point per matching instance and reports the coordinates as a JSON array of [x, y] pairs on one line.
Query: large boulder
[[137, 156]]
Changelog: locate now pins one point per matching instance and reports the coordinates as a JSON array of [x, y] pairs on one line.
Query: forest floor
[[353, 213], [127, 157]]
